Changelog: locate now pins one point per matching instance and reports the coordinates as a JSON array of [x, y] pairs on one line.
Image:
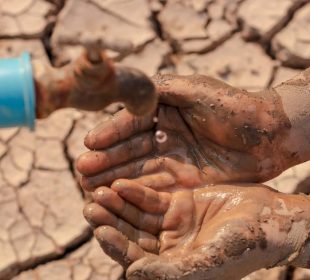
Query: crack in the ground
[[70, 160], [23, 170], [21, 12], [20, 266], [113, 14], [48, 32], [289, 273], [46, 40], [60, 253], [156, 24], [70, 249], [267, 45], [3, 177], [275, 70]]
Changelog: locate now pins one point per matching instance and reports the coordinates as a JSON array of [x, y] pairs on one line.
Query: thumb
[[185, 91]]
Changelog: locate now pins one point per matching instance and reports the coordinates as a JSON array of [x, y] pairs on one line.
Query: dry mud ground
[[251, 44]]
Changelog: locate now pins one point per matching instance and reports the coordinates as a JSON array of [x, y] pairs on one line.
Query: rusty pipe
[[91, 83]]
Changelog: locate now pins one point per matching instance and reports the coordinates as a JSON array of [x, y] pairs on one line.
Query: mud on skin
[[206, 233], [246, 226], [222, 133]]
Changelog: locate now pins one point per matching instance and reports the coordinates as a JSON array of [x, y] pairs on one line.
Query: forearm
[[297, 218], [302, 256], [295, 99]]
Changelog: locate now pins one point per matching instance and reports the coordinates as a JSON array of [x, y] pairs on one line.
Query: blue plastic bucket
[[17, 94]]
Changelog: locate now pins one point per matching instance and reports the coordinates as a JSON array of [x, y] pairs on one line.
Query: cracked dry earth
[[247, 43]]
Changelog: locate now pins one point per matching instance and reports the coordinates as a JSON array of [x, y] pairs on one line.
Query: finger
[[172, 164], [142, 197], [158, 181], [185, 91], [109, 199], [106, 178], [176, 90], [155, 267], [94, 162], [117, 128], [132, 169], [97, 215], [117, 246]]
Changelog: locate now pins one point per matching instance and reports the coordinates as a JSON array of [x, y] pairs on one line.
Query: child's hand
[[214, 131], [220, 232]]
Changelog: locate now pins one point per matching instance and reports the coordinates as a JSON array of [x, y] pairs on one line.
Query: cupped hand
[[225, 134], [218, 232]]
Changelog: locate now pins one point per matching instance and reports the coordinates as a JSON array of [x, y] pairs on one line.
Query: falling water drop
[[161, 136]]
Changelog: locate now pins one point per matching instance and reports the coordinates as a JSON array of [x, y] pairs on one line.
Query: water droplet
[[161, 160], [155, 119], [161, 136], [212, 105]]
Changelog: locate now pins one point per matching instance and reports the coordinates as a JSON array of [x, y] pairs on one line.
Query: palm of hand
[[192, 147], [187, 232], [186, 152], [229, 133]]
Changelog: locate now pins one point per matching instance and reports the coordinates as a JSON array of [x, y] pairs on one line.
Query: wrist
[[303, 258], [295, 99], [298, 239]]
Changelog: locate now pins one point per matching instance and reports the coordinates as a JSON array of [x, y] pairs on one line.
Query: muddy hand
[[91, 83], [220, 232], [226, 134]]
